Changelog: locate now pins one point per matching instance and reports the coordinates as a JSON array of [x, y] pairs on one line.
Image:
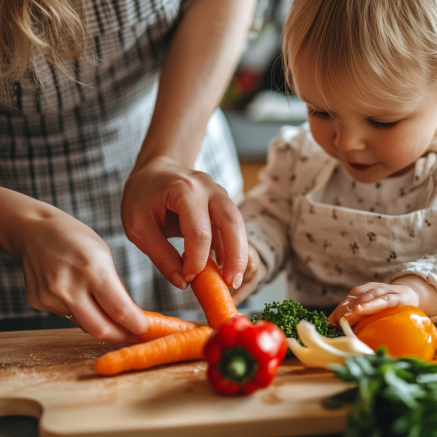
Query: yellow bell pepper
[[404, 330]]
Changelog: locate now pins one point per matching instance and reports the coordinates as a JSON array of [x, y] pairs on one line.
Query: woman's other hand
[[163, 200], [68, 268]]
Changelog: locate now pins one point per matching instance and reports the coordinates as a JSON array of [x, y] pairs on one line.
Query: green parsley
[[288, 314], [390, 397]]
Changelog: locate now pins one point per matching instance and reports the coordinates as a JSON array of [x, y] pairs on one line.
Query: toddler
[[348, 202]]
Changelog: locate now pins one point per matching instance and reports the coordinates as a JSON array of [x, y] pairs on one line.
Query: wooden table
[[48, 374]]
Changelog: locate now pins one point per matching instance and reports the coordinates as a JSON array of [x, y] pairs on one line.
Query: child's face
[[378, 145]]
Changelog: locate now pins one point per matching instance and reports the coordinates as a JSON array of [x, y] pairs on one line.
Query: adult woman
[[71, 128]]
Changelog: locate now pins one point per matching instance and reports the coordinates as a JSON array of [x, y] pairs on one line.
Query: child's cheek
[[323, 134], [397, 153], [401, 146]]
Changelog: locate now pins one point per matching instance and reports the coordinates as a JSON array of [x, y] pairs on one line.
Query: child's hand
[[254, 274], [69, 270], [371, 298]]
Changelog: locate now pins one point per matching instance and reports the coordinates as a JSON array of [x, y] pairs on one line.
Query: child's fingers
[[253, 264], [252, 279], [371, 298], [360, 311], [388, 300], [243, 292], [357, 296], [251, 271], [342, 310], [228, 220]]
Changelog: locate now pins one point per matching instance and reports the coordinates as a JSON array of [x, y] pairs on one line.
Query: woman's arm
[[164, 197], [203, 55], [68, 268]]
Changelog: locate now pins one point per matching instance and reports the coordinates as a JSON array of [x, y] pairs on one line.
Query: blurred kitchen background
[[256, 106]]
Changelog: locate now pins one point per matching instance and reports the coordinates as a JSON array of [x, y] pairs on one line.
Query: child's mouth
[[360, 167]]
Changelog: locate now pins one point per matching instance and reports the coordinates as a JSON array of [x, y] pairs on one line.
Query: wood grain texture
[[48, 374]]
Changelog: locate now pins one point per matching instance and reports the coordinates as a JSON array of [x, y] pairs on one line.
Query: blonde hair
[[53, 28], [361, 52]]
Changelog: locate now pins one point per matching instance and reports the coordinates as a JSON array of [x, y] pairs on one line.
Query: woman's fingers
[[114, 300], [68, 268], [48, 302], [73, 289], [195, 225], [229, 221], [148, 237], [93, 320], [177, 201], [217, 245]]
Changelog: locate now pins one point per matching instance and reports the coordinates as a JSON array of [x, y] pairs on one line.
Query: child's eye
[[380, 125], [320, 114]]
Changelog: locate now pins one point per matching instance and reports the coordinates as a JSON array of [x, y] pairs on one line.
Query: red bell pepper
[[243, 357]]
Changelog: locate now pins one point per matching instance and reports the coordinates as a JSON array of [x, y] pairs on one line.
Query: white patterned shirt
[[332, 233]]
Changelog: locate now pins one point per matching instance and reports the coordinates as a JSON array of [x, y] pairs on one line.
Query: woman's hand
[[373, 297], [163, 200], [69, 270], [163, 197], [254, 274]]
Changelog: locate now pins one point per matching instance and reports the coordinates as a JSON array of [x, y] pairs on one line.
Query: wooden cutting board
[[48, 374]]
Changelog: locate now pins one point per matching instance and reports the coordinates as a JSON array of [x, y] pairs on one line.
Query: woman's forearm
[[202, 57]]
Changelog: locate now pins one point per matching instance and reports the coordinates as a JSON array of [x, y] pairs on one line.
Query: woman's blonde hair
[[53, 28], [360, 53]]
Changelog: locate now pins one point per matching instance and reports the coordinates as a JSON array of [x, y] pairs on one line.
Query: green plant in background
[[288, 314], [390, 397]]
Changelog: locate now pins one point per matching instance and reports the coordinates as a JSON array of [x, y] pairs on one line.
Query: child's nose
[[348, 138]]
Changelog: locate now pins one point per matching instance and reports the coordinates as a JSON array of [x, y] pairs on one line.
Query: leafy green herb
[[391, 397], [288, 314]]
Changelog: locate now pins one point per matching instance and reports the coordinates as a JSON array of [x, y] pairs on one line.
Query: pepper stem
[[236, 367], [237, 364]]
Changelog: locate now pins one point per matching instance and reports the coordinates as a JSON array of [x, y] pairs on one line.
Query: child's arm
[[373, 297], [266, 212]]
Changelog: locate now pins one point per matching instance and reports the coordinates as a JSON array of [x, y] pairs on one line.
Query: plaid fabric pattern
[[69, 137]]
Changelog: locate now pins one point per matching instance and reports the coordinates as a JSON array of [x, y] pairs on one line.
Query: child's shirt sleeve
[[268, 206], [425, 267]]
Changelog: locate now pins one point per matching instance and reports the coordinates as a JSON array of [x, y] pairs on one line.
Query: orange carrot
[[160, 326], [183, 346], [213, 295]]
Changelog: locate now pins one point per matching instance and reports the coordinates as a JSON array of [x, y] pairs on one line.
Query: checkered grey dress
[[70, 138]]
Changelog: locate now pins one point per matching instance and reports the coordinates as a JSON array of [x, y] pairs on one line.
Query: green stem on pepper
[[243, 357], [238, 365]]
